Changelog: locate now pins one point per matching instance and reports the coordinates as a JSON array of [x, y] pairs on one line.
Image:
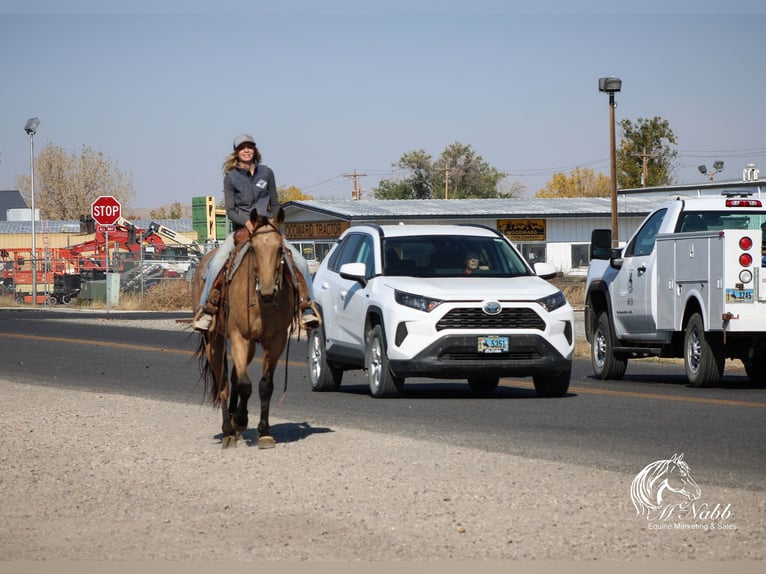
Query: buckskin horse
[[257, 306]]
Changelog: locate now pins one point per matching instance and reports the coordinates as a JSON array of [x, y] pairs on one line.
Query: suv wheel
[[382, 381], [555, 386], [324, 376]]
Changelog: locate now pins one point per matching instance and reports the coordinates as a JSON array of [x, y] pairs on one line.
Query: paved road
[[620, 426]]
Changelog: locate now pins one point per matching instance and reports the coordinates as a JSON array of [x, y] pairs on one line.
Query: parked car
[[398, 301]]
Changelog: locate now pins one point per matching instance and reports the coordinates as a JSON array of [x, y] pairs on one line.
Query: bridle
[[279, 272]]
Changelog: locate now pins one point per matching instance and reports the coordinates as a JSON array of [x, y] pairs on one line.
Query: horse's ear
[[254, 215], [279, 217]]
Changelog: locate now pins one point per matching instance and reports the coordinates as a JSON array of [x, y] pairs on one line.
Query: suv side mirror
[[545, 270], [354, 272]]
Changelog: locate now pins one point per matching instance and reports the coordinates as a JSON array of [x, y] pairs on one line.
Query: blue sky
[[329, 88]]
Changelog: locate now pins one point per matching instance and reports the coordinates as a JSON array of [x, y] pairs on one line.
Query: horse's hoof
[[266, 442], [229, 441]]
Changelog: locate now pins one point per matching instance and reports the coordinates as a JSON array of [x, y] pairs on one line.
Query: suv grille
[[474, 318]]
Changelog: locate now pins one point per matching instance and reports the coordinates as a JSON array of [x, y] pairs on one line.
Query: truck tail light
[[745, 244], [743, 203]]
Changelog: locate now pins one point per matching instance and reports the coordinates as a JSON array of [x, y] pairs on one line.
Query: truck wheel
[[382, 381], [703, 354], [756, 369], [553, 386], [606, 366], [324, 376]]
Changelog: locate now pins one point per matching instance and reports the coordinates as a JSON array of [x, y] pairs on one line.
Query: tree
[[66, 185], [417, 186], [458, 173], [175, 211], [581, 182], [292, 193], [646, 145]]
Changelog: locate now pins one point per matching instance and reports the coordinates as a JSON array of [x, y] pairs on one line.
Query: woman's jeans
[[218, 260]]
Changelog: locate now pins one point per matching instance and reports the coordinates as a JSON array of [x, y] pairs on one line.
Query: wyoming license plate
[[493, 344]]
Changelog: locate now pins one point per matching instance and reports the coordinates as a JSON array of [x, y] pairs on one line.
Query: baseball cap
[[243, 138]]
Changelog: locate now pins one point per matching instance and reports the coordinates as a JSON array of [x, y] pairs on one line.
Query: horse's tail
[[212, 384]]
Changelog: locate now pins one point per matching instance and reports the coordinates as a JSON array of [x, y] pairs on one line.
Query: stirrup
[[311, 319]]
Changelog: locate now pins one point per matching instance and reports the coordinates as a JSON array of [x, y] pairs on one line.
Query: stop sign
[[105, 210]]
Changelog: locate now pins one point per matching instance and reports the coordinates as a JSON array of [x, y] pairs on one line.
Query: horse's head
[[679, 479], [656, 480], [266, 241]]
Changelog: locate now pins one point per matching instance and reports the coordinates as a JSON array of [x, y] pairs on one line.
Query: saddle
[[295, 279]]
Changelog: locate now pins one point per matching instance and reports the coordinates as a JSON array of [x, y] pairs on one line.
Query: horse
[[659, 478], [258, 306]]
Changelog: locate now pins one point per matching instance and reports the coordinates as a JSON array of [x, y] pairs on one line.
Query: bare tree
[[66, 185]]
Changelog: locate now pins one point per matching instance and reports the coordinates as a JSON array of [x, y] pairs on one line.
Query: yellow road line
[[505, 382], [640, 395]]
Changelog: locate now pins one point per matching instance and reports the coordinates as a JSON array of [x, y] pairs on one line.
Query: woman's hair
[[231, 160]]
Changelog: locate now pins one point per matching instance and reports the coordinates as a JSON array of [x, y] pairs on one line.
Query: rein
[[279, 277]]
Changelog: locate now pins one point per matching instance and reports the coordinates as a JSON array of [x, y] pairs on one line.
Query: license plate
[[492, 344], [739, 295]]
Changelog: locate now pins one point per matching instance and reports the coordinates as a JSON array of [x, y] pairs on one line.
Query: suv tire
[[323, 375], [552, 386], [382, 381], [483, 384]]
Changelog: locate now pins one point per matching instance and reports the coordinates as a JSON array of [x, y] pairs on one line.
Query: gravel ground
[[87, 476]]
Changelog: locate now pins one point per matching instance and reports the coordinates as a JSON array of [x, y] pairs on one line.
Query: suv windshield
[[450, 256]]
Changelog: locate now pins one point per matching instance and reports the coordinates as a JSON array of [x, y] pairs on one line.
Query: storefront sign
[[522, 229], [315, 229]]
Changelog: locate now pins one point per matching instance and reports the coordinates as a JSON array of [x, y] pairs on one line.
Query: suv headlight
[[553, 302], [419, 302]]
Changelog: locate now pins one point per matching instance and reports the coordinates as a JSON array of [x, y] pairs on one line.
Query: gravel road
[[89, 476]]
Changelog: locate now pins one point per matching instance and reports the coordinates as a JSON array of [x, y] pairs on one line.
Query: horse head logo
[[663, 483]]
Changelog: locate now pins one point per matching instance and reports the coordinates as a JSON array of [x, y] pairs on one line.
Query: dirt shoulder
[[88, 476]]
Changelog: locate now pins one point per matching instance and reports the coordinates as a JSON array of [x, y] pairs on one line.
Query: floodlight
[[703, 169], [610, 85], [31, 126]]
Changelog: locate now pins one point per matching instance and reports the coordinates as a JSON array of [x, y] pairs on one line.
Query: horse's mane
[[643, 486]]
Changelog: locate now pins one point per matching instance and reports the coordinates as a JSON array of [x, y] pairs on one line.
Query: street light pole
[[31, 129], [611, 86]]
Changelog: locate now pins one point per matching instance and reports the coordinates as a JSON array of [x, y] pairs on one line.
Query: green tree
[[646, 144], [66, 185], [459, 173], [581, 182]]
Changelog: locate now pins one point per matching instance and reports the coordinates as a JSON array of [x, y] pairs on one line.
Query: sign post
[[106, 211]]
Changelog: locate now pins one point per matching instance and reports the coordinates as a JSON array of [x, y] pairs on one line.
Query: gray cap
[[243, 138]]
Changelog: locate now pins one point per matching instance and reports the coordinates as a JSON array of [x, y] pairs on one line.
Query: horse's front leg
[[265, 391], [242, 352]]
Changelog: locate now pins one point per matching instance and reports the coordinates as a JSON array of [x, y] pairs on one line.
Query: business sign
[[315, 229], [521, 230]]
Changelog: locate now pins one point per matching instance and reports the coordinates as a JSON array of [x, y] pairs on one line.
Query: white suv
[[397, 301]]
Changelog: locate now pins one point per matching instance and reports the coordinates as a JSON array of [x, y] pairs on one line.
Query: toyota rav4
[[400, 301]]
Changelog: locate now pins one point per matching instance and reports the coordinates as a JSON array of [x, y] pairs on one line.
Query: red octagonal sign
[[105, 210]]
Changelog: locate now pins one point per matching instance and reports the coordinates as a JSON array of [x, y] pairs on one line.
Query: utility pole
[[446, 182], [645, 157], [357, 192]]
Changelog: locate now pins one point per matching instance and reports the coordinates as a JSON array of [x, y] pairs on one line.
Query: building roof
[[514, 208], [73, 226], [10, 199]]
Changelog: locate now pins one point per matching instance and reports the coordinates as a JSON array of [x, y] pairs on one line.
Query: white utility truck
[[689, 283]]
